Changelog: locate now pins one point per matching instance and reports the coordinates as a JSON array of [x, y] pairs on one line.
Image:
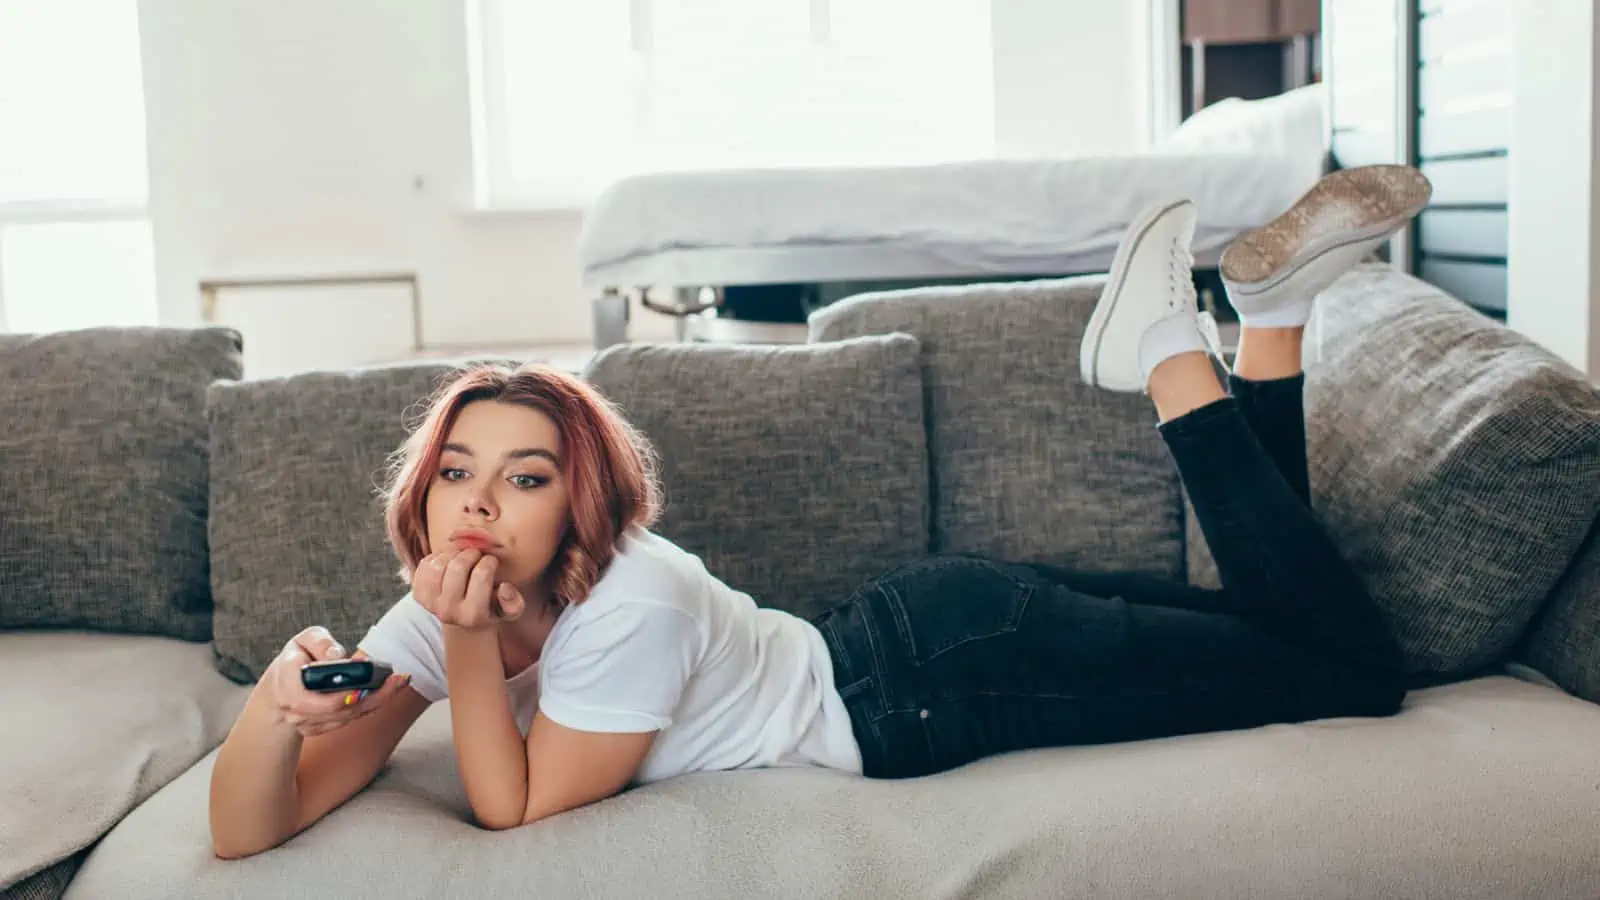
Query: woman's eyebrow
[[520, 453], [527, 452]]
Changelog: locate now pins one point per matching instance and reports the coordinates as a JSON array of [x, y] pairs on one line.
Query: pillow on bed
[[1288, 125]]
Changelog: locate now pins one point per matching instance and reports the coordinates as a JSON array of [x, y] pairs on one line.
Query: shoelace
[[1180, 272]]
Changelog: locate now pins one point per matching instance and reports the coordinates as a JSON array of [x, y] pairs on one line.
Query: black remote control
[[333, 675]]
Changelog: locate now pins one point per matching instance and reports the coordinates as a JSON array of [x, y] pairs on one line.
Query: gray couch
[[164, 526]]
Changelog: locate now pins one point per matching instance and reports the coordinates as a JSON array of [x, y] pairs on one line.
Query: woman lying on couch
[[582, 653]]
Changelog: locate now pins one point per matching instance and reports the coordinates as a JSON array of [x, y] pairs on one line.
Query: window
[[571, 96], [75, 246]]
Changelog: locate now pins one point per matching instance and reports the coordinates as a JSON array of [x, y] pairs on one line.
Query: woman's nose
[[480, 504]]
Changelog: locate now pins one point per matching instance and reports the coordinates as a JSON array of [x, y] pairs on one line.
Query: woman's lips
[[474, 539]]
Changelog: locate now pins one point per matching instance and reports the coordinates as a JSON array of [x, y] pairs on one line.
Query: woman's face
[[499, 488]]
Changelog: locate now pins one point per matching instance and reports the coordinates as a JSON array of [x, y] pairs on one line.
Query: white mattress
[[996, 217]]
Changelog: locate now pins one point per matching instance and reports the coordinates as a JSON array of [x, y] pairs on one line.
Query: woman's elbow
[[232, 838], [499, 820], [224, 850]]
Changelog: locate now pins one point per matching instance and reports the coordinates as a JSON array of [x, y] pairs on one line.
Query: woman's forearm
[[254, 798], [489, 749]]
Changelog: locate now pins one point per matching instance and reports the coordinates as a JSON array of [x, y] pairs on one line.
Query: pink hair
[[608, 465]]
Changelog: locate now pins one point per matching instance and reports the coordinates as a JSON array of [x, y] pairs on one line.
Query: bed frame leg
[[610, 318]]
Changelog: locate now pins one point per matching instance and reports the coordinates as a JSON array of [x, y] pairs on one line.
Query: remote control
[[332, 675]]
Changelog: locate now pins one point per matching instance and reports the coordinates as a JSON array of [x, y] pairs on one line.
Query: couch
[[166, 524]]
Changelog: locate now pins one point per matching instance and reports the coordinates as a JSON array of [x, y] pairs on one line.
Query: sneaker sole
[[1094, 332], [1346, 207]]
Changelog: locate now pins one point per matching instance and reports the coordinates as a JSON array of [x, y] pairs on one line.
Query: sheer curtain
[[74, 234], [570, 96]]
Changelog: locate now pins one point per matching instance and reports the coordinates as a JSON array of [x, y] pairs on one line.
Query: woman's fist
[[458, 587], [311, 712]]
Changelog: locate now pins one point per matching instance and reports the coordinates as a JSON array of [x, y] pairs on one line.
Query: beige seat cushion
[[1478, 790], [94, 724]]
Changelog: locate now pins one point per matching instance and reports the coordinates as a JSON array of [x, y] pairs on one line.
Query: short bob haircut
[[609, 467]]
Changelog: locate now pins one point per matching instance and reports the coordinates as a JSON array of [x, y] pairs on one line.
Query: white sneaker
[[1274, 274], [1147, 312]]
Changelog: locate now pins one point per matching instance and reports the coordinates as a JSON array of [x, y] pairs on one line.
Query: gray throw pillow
[[795, 472], [1028, 463], [1454, 461], [103, 501], [1563, 641], [297, 528]]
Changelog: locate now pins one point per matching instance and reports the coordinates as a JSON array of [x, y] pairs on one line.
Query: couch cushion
[[103, 504], [49, 884], [1028, 463], [1563, 641], [95, 723], [795, 472], [1476, 790], [1452, 460], [297, 528]]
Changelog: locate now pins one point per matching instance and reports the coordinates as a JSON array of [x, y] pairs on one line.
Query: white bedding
[[995, 217]]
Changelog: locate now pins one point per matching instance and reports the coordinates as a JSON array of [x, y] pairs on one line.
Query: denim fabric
[[949, 659]]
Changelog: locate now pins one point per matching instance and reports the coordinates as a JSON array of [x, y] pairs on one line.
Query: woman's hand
[[311, 712], [458, 587]]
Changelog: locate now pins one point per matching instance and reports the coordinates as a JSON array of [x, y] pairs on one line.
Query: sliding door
[[1428, 83], [1371, 83], [1463, 141]]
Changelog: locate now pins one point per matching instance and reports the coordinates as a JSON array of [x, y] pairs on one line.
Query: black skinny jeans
[[949, 659]]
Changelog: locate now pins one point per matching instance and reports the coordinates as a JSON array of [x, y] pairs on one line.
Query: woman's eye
[[449, 474], [528, 482]]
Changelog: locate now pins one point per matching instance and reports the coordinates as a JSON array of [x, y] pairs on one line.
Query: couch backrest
[[1028, 464], [1455, 462], [104, 455], [795, 472], [1563, 641], [296, 526]]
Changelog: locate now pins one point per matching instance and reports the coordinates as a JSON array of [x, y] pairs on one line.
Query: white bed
[[1242, 162]]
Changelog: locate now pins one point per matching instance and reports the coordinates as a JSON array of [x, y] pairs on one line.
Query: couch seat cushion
[[94, 724], [1028, 464], [103, 501], [795, 472], [1484, 789]]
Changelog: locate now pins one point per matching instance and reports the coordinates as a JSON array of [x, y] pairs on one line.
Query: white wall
[[1072, 76], [312, 137], [307, 137], [1555, 187]]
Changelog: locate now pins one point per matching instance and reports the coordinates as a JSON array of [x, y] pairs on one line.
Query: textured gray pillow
[[103, 500], [1563, 641], [1029, 464], [297, 530], [794, 472], [1454, 462]]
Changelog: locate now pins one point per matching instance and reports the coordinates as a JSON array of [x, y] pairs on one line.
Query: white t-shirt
[[662, 645]]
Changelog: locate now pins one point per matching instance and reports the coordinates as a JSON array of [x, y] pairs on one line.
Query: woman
[[583, 654]]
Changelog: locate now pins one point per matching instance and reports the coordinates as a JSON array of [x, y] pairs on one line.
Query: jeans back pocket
[[941, 604]]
